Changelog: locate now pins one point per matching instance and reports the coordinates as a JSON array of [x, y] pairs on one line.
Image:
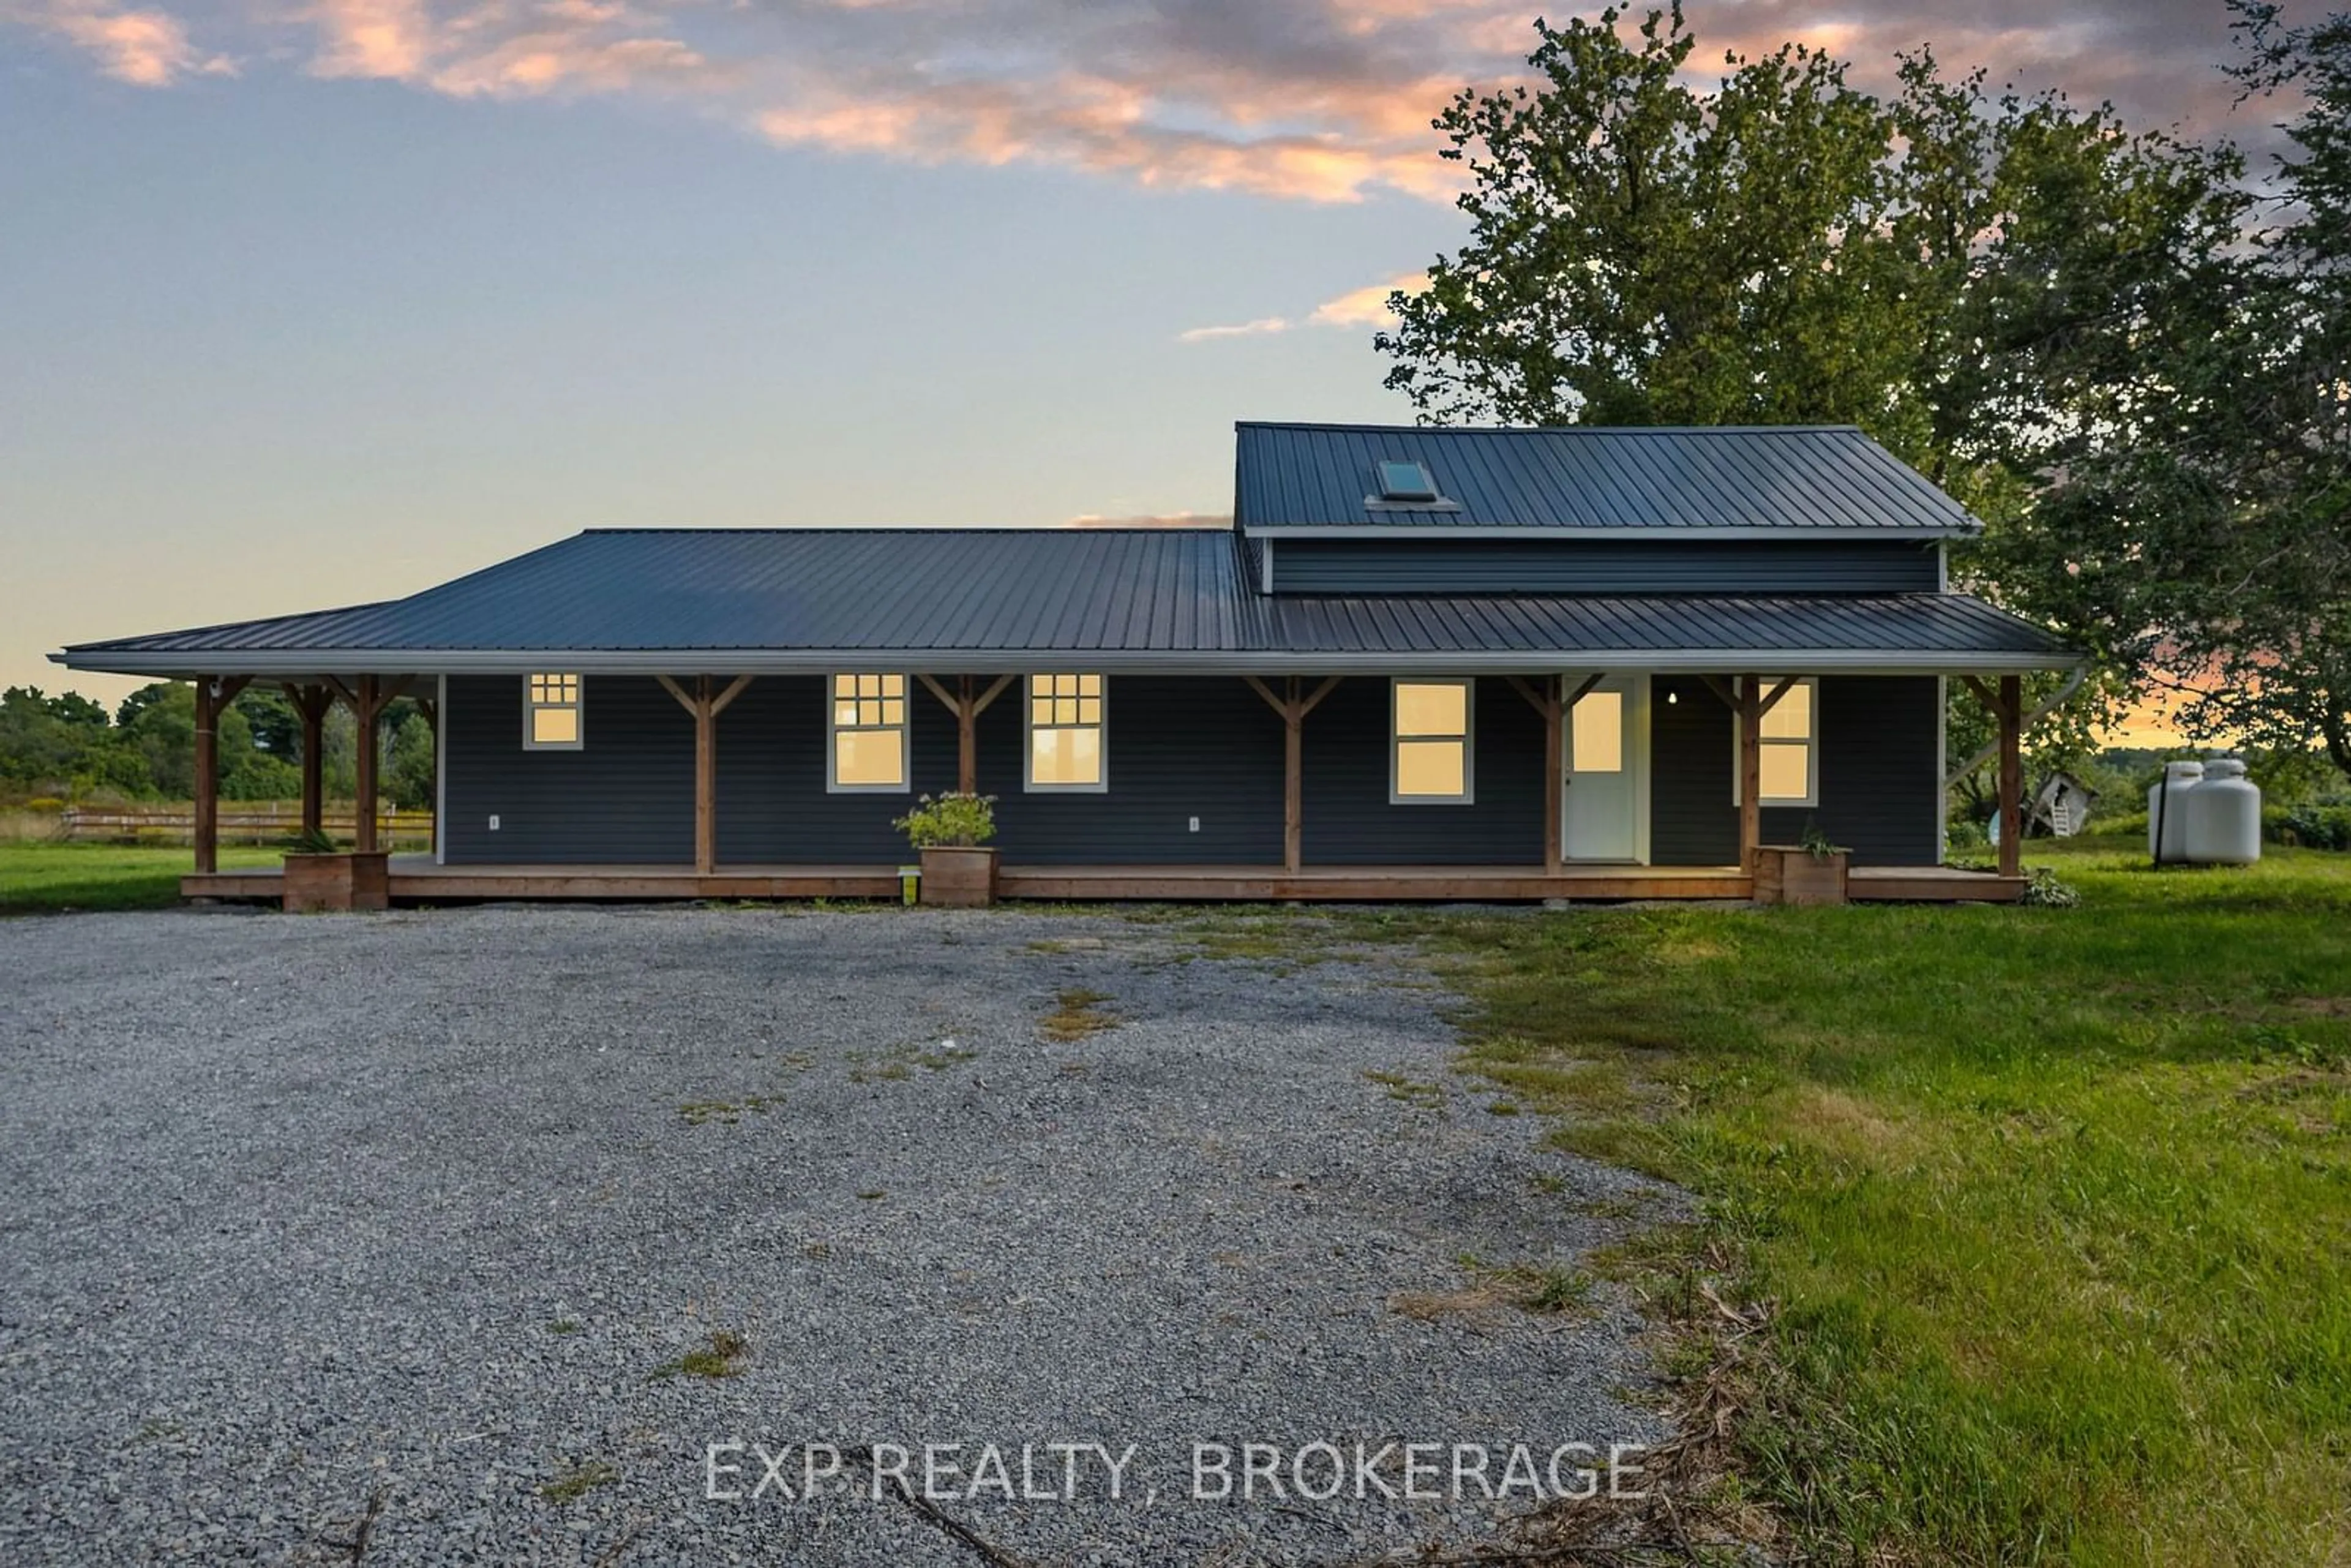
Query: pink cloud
[[1358, 308], [1315, 101], [145, 47]]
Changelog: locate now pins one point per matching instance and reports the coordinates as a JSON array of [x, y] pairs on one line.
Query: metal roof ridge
[[924, 528], [1808, 429]]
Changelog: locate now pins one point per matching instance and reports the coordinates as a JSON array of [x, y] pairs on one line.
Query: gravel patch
[[401, 1226]]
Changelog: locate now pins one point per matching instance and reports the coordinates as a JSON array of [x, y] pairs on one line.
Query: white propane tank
[[2170, 817], [2224, 816]]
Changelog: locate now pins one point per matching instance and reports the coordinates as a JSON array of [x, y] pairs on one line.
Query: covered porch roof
[[1002, 601]]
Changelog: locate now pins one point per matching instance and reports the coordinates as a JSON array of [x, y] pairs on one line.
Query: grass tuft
[[576, 1481], [1076, 1014], [721, 1354]]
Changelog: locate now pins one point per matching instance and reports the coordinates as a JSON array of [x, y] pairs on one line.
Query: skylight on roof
[[1403, 481]]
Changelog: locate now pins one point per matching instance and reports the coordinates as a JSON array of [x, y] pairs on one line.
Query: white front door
[[1606, 770]]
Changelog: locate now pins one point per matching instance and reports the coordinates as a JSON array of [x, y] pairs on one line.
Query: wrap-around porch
[[1292, 699]]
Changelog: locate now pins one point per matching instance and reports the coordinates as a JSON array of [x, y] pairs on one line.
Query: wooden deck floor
[[414, 879]]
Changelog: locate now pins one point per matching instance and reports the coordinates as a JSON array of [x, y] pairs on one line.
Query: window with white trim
[[551, 714], [869, 734], [1788, 747], [1428, 750], [1068, 733]]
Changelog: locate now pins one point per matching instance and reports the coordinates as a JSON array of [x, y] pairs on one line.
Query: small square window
[[551, 713]]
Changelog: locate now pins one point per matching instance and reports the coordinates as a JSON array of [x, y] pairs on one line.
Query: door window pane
[[1599, 733]]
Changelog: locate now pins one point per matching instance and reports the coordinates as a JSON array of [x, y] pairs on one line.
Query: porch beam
[[1751, 772], [1293, 704], [431, 708], [966, 704], [310, 704], [706, 777], [2011, 775], [367, 697], [206, 825], [704, 702], [2007, 707], [366, 704], [733, 690]]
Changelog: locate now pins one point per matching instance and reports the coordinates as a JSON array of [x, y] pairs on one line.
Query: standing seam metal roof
[[1034, 591], [1781, 478]]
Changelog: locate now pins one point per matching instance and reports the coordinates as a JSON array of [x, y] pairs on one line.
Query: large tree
[[1994, 286]]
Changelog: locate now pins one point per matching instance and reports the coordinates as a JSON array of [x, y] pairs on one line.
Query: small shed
[[2063, 802]]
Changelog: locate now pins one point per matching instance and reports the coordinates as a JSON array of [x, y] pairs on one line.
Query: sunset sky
[[315, 303]]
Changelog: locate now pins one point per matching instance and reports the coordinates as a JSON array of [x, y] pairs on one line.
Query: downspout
[[2063, 695]]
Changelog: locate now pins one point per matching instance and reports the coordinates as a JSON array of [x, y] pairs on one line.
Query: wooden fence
[[241, 822]]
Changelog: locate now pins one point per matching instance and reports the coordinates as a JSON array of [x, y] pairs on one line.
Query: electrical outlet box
[[493, 821], [1195, 824]]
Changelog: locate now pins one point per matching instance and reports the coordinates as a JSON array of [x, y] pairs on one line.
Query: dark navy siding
[[773, 807], [1349, 821], [1179, 748], [1878, 762], [1444, 567], [626, 798]]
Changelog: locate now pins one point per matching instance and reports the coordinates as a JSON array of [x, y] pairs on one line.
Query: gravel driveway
[[422, 1231]]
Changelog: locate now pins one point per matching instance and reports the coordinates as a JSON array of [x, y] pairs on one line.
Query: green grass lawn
[[44, 877], [2052, 1208]]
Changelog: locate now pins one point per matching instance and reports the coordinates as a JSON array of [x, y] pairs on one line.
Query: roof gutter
[[2062, 696], [295, 663]]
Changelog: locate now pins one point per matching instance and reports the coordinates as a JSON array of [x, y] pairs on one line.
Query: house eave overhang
[[1556, 533], [298, 664]]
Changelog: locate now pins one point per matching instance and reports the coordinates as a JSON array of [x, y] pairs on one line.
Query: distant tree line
[[69, 747]]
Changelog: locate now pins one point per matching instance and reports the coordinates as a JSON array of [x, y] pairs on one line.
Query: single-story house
[[1421, 662]]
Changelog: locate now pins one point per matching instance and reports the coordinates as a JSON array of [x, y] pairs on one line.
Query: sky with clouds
[[319, 301]]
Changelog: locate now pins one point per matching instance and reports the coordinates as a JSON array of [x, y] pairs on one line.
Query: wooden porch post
[[1557, 706], [367, 699], [1294, 779], [1554, 718], [206, 827], [1293, 709], [310, 704], [705, 779], [967, 710], [2011, 775], [1751, 772], [366, 704], [2007, 707], [431, 708], [706, 708]]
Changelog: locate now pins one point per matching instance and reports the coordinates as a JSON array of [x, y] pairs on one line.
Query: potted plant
[[952, 830], [1811, 871]]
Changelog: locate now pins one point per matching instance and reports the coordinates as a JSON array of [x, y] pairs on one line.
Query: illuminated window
[[869, 732], [1429, 759], [550, 713], [1788, 747], [1597, 732], [1065, 733]]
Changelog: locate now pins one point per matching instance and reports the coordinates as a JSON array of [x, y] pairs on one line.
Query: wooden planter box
[[958, 878], [337, 883], [1785, 874]]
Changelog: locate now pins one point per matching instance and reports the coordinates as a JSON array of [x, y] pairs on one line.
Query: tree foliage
[[67, 746], [2012, 293]]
